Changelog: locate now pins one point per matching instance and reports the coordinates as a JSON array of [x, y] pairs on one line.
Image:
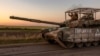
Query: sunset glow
[[49, 10]]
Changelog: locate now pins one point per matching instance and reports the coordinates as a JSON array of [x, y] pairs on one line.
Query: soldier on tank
[[74, 16], [73, 21]]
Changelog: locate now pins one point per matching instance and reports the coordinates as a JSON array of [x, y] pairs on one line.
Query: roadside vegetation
[[16, 41], [26, 34], [23, 27]]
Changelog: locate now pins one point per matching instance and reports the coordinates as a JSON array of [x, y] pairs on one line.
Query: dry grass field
[[20, 34], [19, 37]]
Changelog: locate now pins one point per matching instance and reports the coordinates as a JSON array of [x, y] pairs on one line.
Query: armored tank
[[83, 29]]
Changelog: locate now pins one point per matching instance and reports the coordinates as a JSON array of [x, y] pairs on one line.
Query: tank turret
[[86, 17]]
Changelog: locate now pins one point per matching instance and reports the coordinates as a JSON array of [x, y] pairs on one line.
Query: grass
[[22, 28], [26, 27], [33, 30], [14, 41]]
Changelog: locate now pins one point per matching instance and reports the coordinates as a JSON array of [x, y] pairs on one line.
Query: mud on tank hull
[[71, 37]]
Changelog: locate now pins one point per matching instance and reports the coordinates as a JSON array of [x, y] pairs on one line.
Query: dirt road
[[48, 50]]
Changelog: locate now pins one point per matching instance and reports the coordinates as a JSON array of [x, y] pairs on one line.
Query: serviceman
[[74, 16], [74, 19]]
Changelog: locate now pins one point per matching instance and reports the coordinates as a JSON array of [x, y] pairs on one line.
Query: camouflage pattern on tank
[[82, 35], [77, 31]]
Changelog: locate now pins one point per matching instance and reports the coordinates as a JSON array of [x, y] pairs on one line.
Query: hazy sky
[[50, 10]]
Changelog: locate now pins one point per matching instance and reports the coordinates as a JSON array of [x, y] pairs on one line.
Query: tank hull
[[83, 35], [75, 36]]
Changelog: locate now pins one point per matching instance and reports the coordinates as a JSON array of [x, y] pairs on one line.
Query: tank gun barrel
[[34, 20]]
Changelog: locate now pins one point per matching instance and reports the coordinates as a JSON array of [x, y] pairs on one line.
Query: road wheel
[[70, 45], [88, 44], [79, 45], [96, 43]]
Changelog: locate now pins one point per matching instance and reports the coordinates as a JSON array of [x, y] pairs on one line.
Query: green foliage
[[23, 27], [14, 41]]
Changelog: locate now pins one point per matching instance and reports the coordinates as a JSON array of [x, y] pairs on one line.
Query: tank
[[83, 29]]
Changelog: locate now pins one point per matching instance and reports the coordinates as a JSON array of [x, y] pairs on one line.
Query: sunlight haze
[[49, 10]]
